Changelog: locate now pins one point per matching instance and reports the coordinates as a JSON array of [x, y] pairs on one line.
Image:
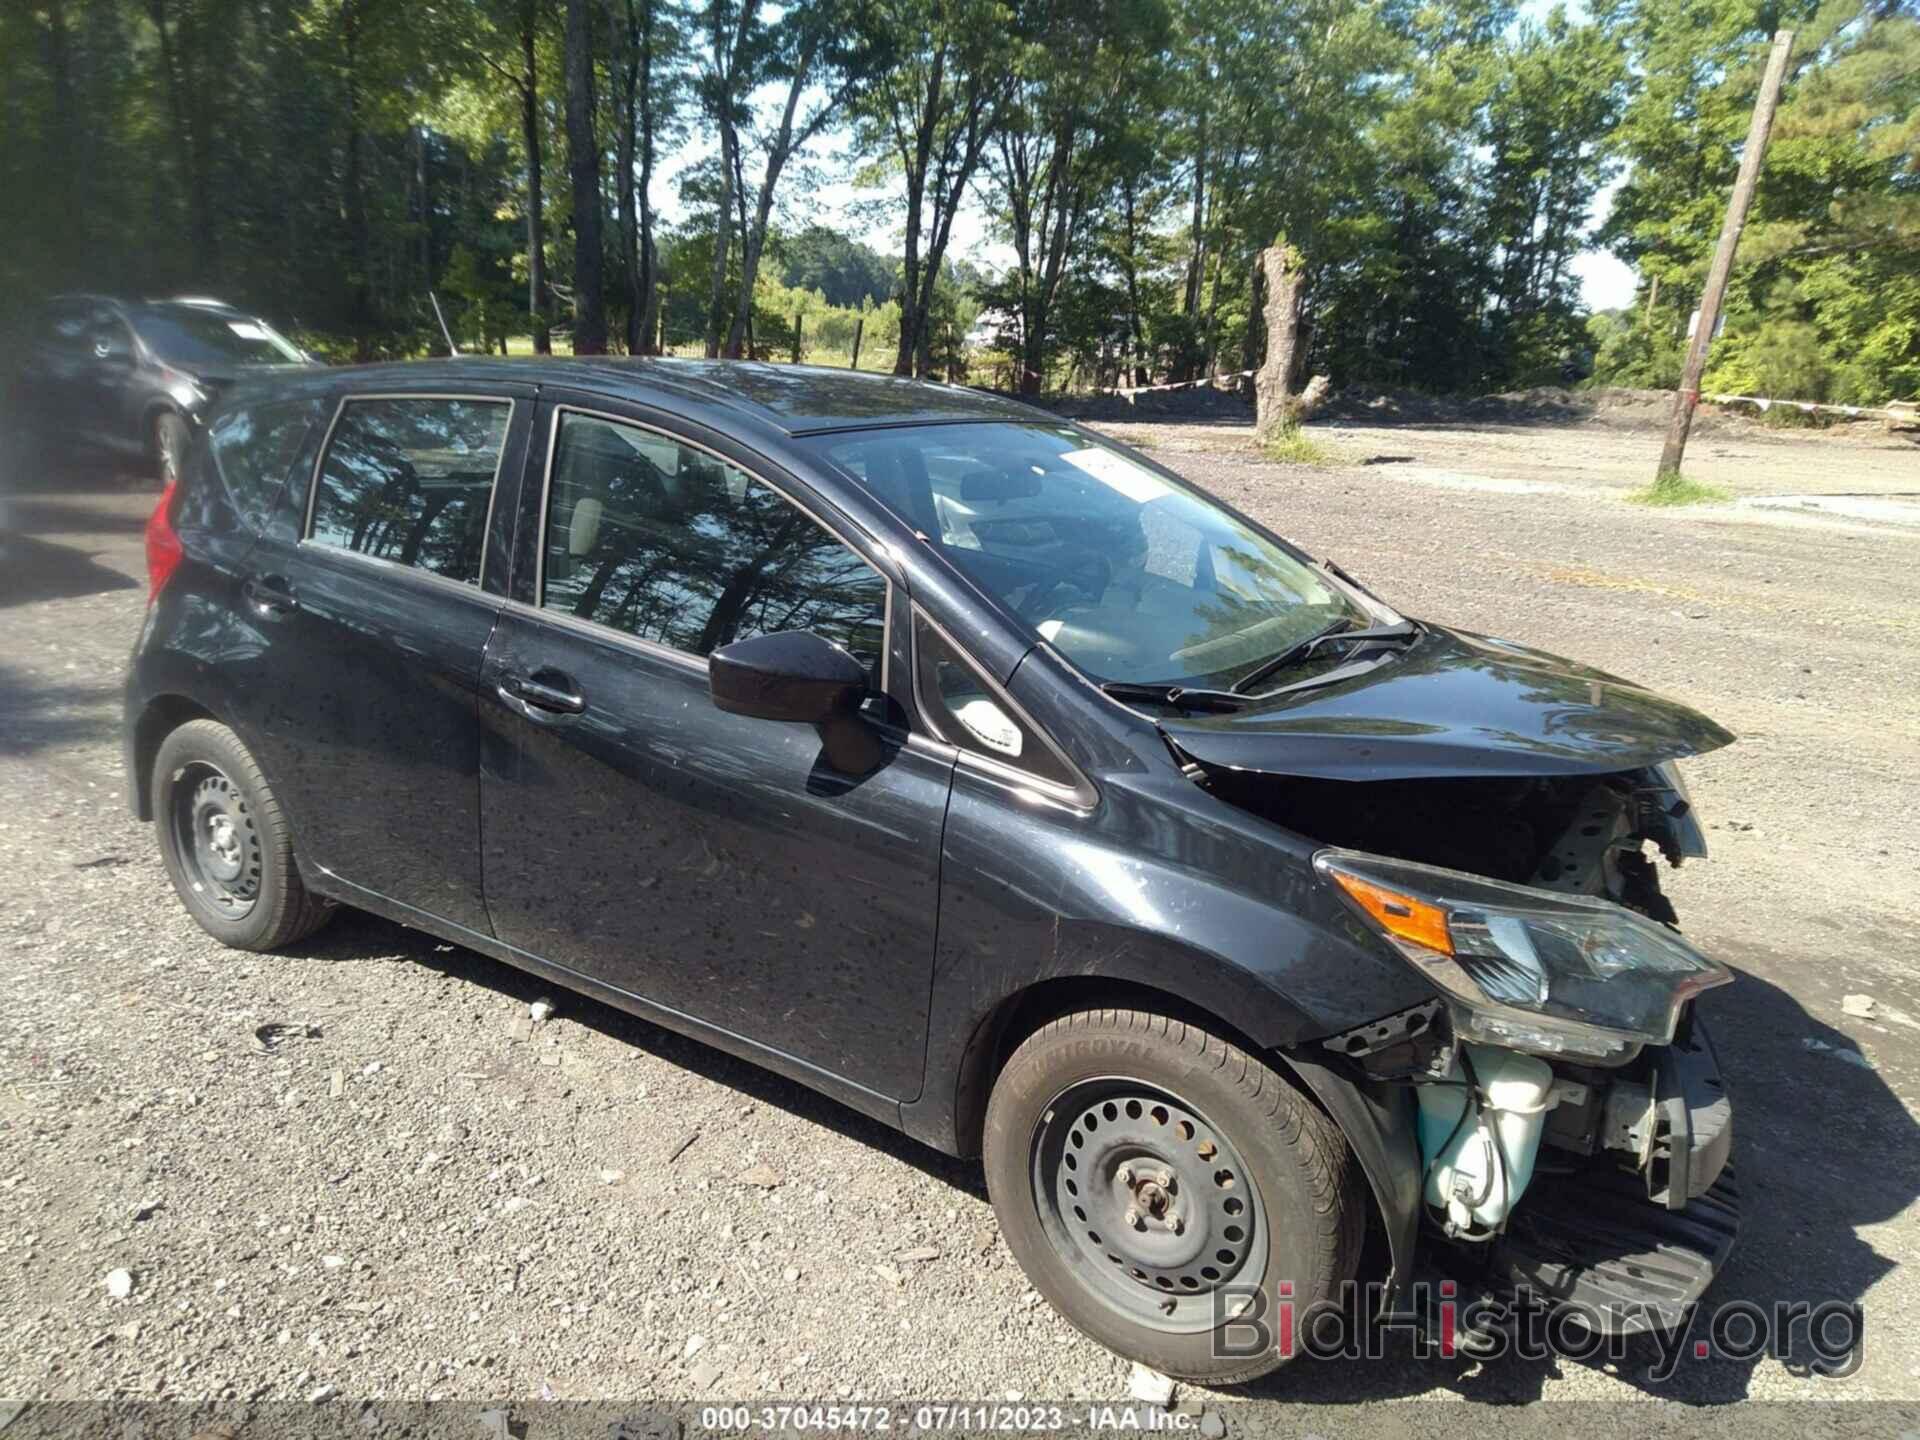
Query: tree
[[583, 157], [1053, 157], [646, 43], [931, 115], [821, 53], [1825, 298]]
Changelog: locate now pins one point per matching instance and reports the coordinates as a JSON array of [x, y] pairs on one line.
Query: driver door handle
[[544, 690]]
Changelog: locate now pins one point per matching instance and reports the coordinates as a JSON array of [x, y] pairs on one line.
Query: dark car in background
[[125, 380], [987, 776]]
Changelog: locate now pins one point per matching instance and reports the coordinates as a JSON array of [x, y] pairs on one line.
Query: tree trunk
[[189, 142], [753, 240], [722, 239], [536, 203], [1276, 407], [583, 163], [626, 28]]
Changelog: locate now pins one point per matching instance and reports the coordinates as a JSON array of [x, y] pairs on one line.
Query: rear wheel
[[225, 843], [168, 442], [1158, 1185]]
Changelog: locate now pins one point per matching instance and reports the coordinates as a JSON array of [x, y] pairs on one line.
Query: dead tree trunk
[[1276, 407]]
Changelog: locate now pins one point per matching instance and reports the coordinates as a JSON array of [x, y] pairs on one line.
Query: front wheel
[[225, 843], [1169, 1192]]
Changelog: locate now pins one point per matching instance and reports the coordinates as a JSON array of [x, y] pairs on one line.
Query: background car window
[[65, 324], [669, 544], [254, 449], [191, 335], [967, 712], [409, 480]]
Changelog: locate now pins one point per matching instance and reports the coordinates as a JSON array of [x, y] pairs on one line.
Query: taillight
[[163, 545]]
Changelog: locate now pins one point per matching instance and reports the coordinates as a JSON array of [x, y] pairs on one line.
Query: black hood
[[1452, 705]]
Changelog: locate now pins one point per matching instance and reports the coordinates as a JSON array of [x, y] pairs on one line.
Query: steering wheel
[[1090, 575]]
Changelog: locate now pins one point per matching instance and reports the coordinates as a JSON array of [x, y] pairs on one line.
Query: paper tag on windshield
[[1118, 473], [246, 330]]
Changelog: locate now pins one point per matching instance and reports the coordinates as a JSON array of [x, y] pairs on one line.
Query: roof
[[796, 399]]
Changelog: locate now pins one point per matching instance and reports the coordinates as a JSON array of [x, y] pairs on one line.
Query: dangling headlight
[[1529, 969]]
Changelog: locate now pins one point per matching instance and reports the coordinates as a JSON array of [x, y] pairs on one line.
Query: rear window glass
[[254, 450], [408, 480]]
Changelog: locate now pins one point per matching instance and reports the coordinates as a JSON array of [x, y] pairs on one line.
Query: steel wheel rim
[[1148, 1204], [217, 840]]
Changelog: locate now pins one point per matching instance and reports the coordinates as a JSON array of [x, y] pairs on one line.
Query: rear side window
[[672, 545], [409, 480], [254, 450]]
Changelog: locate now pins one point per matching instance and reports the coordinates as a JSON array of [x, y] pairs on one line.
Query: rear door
[[373, 617], [713, 865]]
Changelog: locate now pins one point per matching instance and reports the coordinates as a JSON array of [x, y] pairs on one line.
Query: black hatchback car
[[127, 380], [1274, 949]]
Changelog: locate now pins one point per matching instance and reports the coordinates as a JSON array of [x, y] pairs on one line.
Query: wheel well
[[1022, 1014], [164, 714]]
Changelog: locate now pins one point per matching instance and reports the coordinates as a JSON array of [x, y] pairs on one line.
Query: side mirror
[[798, 677]]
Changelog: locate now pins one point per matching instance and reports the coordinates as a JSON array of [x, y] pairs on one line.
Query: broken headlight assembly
[[1526, 969]]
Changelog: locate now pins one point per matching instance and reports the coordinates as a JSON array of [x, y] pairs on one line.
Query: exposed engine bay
[[1491, 1118], [1580, 834]]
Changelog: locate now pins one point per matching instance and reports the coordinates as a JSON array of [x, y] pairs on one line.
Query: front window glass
[[409, 480], [1131, 575], [191, 335], [672, 545]]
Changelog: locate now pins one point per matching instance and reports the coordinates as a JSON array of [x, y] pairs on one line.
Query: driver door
[[713, 866]]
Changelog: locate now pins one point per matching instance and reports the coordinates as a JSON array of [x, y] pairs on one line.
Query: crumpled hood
[[1453, 705]]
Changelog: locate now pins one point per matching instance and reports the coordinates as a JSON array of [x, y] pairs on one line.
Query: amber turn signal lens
[[1399, 914]]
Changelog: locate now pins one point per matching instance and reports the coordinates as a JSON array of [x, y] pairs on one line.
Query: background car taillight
[[163, 545]]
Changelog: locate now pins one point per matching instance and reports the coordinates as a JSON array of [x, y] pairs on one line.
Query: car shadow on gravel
[[1824, 1149], [33, 715], [32, 570], [357, 936]]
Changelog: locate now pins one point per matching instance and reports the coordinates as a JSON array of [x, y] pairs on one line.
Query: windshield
[[189, 335], [1129, 574]]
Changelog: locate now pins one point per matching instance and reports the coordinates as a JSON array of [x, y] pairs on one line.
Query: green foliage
[[1824, 302], [845, 271], [1671, 488], [335, 162], [1293, 446]]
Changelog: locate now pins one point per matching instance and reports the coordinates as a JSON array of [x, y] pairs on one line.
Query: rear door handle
[[544, 690], [269, 595]]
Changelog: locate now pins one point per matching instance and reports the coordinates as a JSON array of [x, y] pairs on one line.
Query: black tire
[[168, 440], [1302, 1191], [225, 842]]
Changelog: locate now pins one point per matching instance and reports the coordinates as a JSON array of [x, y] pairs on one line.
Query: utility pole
[[1722, 267]]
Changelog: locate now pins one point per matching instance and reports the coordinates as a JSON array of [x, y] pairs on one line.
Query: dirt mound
[[1200, 402]]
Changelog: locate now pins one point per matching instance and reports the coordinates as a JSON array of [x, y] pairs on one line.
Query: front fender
[[1198, 904]]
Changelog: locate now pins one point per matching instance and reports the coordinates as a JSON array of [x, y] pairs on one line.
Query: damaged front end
[[1572, 1125]]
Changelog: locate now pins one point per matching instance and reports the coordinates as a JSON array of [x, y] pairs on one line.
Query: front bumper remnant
[[1592, 1241]]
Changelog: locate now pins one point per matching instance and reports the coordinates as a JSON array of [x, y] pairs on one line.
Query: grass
[[1293, 446], [1670, 487]]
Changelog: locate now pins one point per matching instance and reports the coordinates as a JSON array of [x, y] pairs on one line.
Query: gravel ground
[[408, 1189]]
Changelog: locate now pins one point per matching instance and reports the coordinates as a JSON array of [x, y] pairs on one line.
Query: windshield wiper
[[1294, 654], [1180, 697]]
